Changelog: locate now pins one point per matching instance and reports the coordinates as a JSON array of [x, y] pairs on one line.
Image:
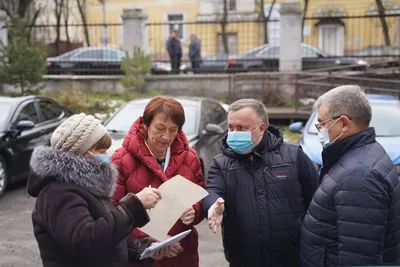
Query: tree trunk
[[304, 16], [385, 29], [267, 20], [21, 82], [66, 22], [58, 13], [224, 23], [81, 7], [264, 22]]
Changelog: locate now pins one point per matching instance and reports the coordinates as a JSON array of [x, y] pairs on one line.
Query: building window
[[176, 23], [232, 43], [231, 5]]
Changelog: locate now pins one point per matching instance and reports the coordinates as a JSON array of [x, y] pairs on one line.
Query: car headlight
[[397, 167], [361, 62]]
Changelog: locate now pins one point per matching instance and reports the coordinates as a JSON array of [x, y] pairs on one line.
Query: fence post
[[3, 29], [134, 29], [290, 50]]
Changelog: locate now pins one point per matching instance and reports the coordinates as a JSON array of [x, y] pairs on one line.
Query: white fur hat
[[78, 134]]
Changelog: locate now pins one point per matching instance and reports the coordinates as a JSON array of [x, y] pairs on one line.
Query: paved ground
[[18, 246]]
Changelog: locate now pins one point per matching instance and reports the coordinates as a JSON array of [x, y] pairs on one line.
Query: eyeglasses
[[320, 124]]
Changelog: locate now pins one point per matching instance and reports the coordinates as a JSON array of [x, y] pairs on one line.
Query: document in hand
[[177, 195], [150, 251]]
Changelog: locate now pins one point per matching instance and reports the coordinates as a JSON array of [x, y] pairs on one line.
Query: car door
[[209, 145], [270, 58], [51, 116], [112, 60], [314, 59], [22, 143]]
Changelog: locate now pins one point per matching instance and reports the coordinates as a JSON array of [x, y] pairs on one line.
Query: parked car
[[385, 120], [96, 60], [381, 53], [267, 58], [205, 125], [25, 122], [210, 64], [159, 68]]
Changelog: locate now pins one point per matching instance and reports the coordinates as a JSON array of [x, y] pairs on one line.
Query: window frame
[[42, 118], [168, 24]]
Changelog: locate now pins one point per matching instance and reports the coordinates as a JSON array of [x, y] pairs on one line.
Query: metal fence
[[351, 42]]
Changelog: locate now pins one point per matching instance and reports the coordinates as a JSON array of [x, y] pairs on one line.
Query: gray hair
[[254, 104], [349, 100]]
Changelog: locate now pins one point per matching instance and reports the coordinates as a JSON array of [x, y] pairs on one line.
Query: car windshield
[[385, 119], [4, 110], [123, 120]]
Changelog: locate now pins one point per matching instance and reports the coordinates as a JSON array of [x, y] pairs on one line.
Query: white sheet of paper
[[150, 251], [177, 195]]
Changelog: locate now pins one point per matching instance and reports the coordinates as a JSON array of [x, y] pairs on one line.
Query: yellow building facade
[[337, 37]]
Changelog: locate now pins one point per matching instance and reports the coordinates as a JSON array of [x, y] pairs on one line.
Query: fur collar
[[49, 164]]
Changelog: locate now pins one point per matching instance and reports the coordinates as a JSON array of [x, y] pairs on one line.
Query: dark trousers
[[175, 65]]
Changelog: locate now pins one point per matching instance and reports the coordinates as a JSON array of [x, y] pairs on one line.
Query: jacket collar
[[48, 164], [271, 141], [135, 145], [332, 153]]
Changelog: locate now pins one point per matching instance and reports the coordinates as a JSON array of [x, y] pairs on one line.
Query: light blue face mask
[[101, 158], [241, 142]]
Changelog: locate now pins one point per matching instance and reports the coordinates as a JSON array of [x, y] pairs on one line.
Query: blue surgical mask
[[101, 158], [323, 136], [241, 142]]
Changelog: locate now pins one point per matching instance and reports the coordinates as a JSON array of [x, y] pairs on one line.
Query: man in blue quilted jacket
[[354, 217]]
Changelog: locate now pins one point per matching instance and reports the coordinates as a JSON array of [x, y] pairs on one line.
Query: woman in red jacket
[[155, 150]]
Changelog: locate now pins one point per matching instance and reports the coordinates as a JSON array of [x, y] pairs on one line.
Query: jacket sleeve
[[362, 200], [120, 189], [170, 47], [215, 186], [136, 247], [199, 180], [308, 177], [194, 48], [70, 222]]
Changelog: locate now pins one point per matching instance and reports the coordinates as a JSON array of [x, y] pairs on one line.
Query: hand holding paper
[[178, 195]]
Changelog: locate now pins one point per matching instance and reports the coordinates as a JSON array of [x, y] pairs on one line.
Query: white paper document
[[150, 251], [177, 195]]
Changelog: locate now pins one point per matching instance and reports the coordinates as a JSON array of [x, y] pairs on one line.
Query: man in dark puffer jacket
[[259, 189], [354, 217]]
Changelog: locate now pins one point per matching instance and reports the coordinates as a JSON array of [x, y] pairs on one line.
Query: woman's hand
[[188, 216], [149, 197], [159, 255], [173, 250]]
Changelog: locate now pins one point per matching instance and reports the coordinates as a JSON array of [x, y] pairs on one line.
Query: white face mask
[[323, 136]]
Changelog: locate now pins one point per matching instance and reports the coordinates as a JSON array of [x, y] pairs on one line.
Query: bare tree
[[224, 23], [66, 23], [266, 19], [385, 29], [304, 16], [58, 11], [21, 8], [82, 8]]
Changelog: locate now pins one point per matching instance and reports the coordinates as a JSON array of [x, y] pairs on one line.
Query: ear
[[345, 123], [263, 127]]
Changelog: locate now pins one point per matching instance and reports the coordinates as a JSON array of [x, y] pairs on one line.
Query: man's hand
[[149, 197], [188, 216], [216, 214]]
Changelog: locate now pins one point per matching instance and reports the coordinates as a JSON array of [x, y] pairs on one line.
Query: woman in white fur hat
[[74, 222]]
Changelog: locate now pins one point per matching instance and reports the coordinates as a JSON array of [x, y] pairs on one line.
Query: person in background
[[195, 52], [259, 190], [174, 49], [354, 218], [155, 150], [74, 221]]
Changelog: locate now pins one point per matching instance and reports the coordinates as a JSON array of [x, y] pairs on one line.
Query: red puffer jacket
[[139, 169]]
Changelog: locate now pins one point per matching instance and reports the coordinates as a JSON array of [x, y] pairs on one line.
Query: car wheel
[[3, 176]]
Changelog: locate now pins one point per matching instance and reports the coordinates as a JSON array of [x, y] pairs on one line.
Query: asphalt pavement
[[18, 247]]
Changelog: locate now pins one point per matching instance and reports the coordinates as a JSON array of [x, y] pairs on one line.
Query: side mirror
[[213, 129], [296, 127], [25, 125]]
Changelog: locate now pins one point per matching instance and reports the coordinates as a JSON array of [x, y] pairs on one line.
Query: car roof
[[186, 99], [382, 97], [15, 99]]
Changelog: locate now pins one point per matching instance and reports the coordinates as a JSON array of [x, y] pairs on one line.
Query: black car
[[205, 125], [87, 60], [25, 122], [266, 58]]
